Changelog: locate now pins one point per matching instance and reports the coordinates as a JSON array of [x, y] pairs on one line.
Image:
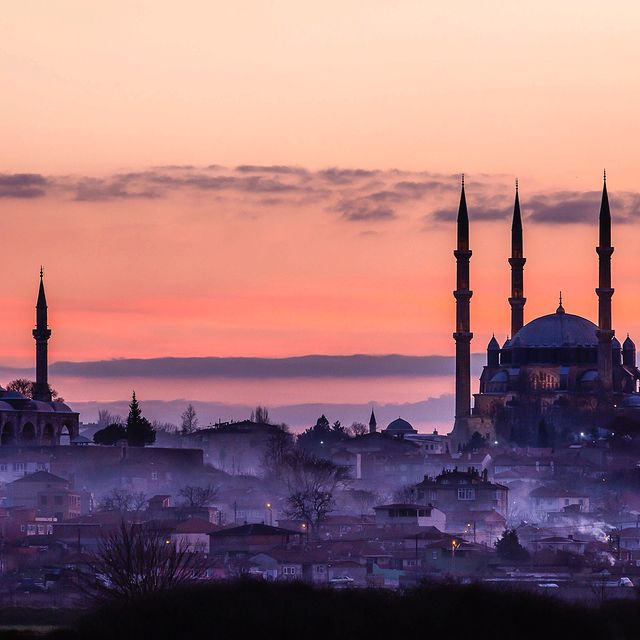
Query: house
[[378, 457], [251, 539], [464, 491], [481, 526], [409, 515], [457, 556], [18, 522], [193, 535], [86, 532], [630, 539], [237, 448], [50, 495], [469, 461], [547, 500], [430, 443], [560, 543], [336, 526], [17, 463]]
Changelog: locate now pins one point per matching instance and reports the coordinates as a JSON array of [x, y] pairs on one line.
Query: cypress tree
[[140, 432]]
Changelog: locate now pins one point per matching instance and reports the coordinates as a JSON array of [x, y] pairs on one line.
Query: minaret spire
[[462, 334], [41, 335], [604, 292], [517, 299]]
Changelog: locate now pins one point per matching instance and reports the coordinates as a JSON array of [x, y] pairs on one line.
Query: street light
[[269, 507], [454, 545], [469, 525]]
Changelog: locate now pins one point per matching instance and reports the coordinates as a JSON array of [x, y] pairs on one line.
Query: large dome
[[400, 426], [557, 330]]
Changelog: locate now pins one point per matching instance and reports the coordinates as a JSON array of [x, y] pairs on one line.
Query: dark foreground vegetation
[[262, 610]]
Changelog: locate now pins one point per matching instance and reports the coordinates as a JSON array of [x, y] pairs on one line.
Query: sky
[[274, 179]]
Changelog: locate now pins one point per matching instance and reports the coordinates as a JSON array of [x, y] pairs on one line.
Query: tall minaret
[[41, 335], [517, 299], [604, 293], [462, 334], [373, 425]]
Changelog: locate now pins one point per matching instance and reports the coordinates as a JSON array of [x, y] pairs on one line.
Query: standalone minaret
[[41, 335], [517, 299], [604, 293], [373, 425], [462, 334]]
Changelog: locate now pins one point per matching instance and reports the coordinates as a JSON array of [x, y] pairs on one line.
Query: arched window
[[8, 437], [48, 435], [28, 435], [65, 435]]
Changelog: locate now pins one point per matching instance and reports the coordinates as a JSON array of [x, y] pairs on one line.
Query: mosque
[[37, 421], [556, 377]]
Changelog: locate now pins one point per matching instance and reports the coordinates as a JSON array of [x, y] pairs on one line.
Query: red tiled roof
[[195, 525]]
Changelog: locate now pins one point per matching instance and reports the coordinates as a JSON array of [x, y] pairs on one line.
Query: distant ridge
[[312, 366], [424, 415]]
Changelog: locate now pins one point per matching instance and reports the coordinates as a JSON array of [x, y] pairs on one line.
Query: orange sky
[[224, 261]]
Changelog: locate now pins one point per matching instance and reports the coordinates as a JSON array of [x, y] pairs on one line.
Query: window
[[19, 466], [289, 571], [466, 494], [3, 467], [434, 555], [58, 500], [154, 475], [43, 501]]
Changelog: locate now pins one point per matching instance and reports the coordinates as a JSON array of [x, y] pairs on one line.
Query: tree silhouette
[[311, 483], [140, 432], [189, 419], [137, 560], [111, 434], [509, 549], [195, 496], [260, 415], [25, 387]]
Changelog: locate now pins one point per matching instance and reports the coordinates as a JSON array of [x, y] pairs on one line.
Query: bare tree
[[21, 385], [277, 448], [123, 500], [405, 495], [137, 559], [260, 415], [106, 418], [195, 496], [25, 387], [189, 419], [167, 427], [311, 482], [357, 429], [364, 499]]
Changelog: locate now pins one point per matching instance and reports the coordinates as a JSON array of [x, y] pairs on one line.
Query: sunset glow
[[118, 113]]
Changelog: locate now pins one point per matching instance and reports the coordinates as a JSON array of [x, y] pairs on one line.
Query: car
[[342, 581]]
